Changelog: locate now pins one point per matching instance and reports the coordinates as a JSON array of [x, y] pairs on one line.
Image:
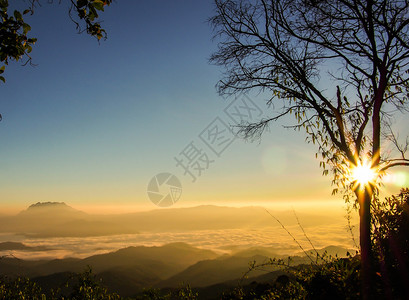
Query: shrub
[[20, 288]]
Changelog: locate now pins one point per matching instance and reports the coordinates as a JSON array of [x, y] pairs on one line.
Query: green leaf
[[18, 15], [4, 80], [26, 28], [92, 13], [98, 4]]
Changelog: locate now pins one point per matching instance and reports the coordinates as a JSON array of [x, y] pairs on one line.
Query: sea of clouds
[[280, 241]]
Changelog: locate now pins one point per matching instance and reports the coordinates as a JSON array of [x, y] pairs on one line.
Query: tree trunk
[[365, 196]]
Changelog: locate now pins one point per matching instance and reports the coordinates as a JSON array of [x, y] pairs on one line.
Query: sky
[[92, 123]]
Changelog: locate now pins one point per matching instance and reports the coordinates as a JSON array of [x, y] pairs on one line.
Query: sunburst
[[363, 174]]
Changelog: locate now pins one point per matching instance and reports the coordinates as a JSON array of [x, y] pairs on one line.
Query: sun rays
[[363, 174]]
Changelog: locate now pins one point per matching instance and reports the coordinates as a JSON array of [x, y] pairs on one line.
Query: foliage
[[183, 292], [340, 278], [325, 278], [390, 216], [14, 41], [88, 288], [332, 278], [151, 293], [391, 243], [87, 11], [84, 286], [284, 49], [20, 288]]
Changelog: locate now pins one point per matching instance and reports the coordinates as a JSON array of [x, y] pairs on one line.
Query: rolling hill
[[127, 271]]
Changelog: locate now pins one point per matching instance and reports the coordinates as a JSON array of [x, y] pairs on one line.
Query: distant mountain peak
[[48, 205]]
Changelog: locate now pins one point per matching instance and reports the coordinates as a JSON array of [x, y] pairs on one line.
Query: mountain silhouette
[[7, 246], [57, 219], [209, 272], [161, 262], [128, 271], [56, 206]]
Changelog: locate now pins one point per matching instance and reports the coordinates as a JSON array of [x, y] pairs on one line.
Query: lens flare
[[399, 179], [363, 174]]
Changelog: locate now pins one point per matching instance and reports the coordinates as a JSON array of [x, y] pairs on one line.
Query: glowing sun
[[363, 174]]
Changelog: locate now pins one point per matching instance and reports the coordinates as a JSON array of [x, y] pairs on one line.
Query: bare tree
[[360, 49]]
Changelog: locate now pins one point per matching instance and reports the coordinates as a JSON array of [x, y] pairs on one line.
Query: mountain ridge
[[57, 219]]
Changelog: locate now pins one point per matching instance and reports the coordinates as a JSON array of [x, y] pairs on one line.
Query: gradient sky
[[91, 123]]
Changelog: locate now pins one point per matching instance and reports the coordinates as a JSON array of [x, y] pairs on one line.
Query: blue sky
[[91, 123]]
